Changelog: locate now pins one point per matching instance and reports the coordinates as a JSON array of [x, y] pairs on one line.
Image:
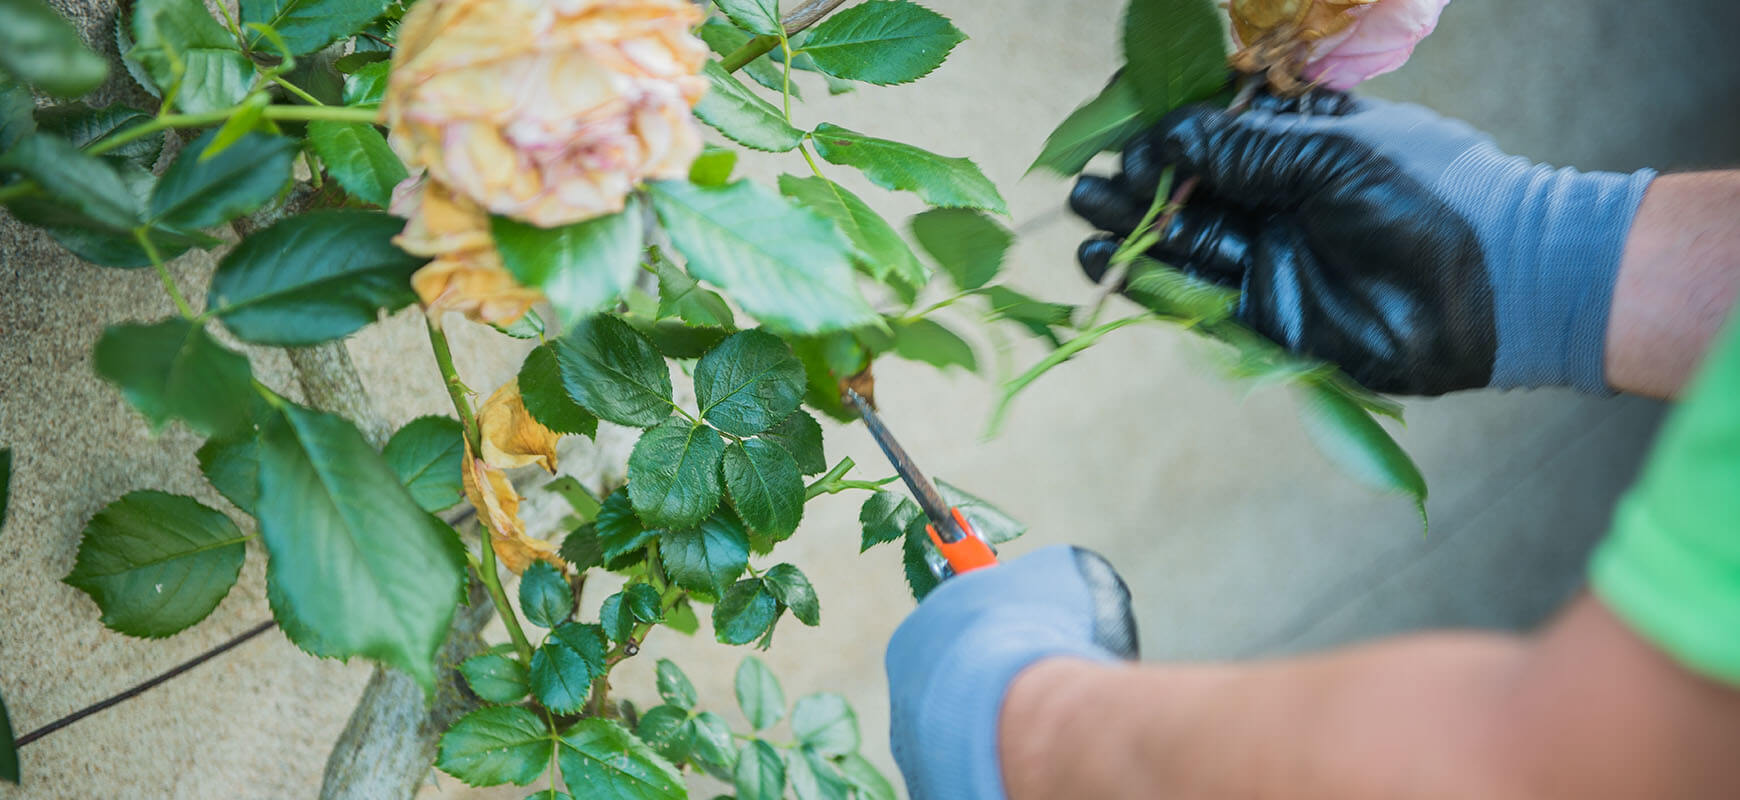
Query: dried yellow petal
[[511, 437], [498, 506]]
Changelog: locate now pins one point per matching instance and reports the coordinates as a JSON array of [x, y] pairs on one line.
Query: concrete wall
[[1236, 537]]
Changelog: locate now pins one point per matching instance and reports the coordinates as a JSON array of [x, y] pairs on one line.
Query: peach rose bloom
[[548, 111], [1334, 43]]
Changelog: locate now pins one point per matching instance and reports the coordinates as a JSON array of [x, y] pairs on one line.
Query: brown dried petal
[[511, 437]]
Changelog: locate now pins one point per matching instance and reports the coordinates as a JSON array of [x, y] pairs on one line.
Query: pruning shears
[[961, 546]]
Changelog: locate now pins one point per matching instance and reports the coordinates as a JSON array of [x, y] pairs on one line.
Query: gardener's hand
[[1403, 246], [951, 662]]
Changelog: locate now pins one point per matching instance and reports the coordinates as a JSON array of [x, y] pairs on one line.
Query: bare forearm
[[1586, 709], [1677, 283], [1407, 719]]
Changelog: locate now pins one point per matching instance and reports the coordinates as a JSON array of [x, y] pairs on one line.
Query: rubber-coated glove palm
[[951, 662], [1401, 245]]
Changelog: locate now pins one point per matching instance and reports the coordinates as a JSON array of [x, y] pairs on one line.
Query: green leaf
[[40, 48], [791, 588], [864, 776], [917, 554], [1107, 122], [157, 563], [582, 268], [313, 277], [673, 474], [8, 750], [1037, 316], [549, 794], [84, 185], [814, 777], [744, 612], [732, 109], [882, 42], [643, 603], [710, 745], [801, 437], [1173, 53], [825, 722], [357, 156], [682, 296], [615, 372], [545, 596], [878, 249], [357, 568], [174, 369], [674, 686], [177, 43], [987, 520], [83, 127], [620, 532], [1064, 352], [600, 758], [708, 557], [667, 729], [496, 745], [724, 39], [579, 498], [758, 694], [759, 16], [545, 397], [748, 383], [1168, 291], [760, 772], [247, 117], [582, 548], [928, 341], [496, 677], [231, 463], [766, 488], [885, 516], [617, 623], [16, 109], [939, 181], [682, 618], [713, 166], [968, 245], [678, 339], [368, 85], [308, 25], [786, 266], [428, 455], [1347, 435], [564, 667]]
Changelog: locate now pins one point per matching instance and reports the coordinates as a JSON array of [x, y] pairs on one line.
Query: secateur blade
[[962, 548]]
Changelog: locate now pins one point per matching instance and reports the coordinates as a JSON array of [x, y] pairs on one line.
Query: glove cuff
[[959, 725], [1559, 238]]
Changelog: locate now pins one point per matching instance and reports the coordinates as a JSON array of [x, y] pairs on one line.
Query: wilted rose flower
[[466, 274], [549, 111], [498, 505], [510, 436], [1335, 43]]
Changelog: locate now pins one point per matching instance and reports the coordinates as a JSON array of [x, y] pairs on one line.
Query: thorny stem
[[1120, 267], [800, 18], [169, 286], [485, 565]]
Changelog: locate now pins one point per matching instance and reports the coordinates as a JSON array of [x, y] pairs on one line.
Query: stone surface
[[1236, 537]]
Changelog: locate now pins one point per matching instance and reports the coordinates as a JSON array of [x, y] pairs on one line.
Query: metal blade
[[923, 490]]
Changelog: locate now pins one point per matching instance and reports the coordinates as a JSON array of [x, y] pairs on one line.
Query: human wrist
[[1034, 728]]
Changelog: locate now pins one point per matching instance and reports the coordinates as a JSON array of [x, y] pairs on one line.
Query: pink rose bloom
[[1381, 38]]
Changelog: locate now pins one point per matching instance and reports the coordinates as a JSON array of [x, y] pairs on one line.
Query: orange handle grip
[[969, 553]]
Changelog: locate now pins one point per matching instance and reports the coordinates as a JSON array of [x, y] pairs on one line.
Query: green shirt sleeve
[[1671, 565]]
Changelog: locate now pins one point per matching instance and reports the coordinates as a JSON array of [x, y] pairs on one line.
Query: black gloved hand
[[1401, 245]]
